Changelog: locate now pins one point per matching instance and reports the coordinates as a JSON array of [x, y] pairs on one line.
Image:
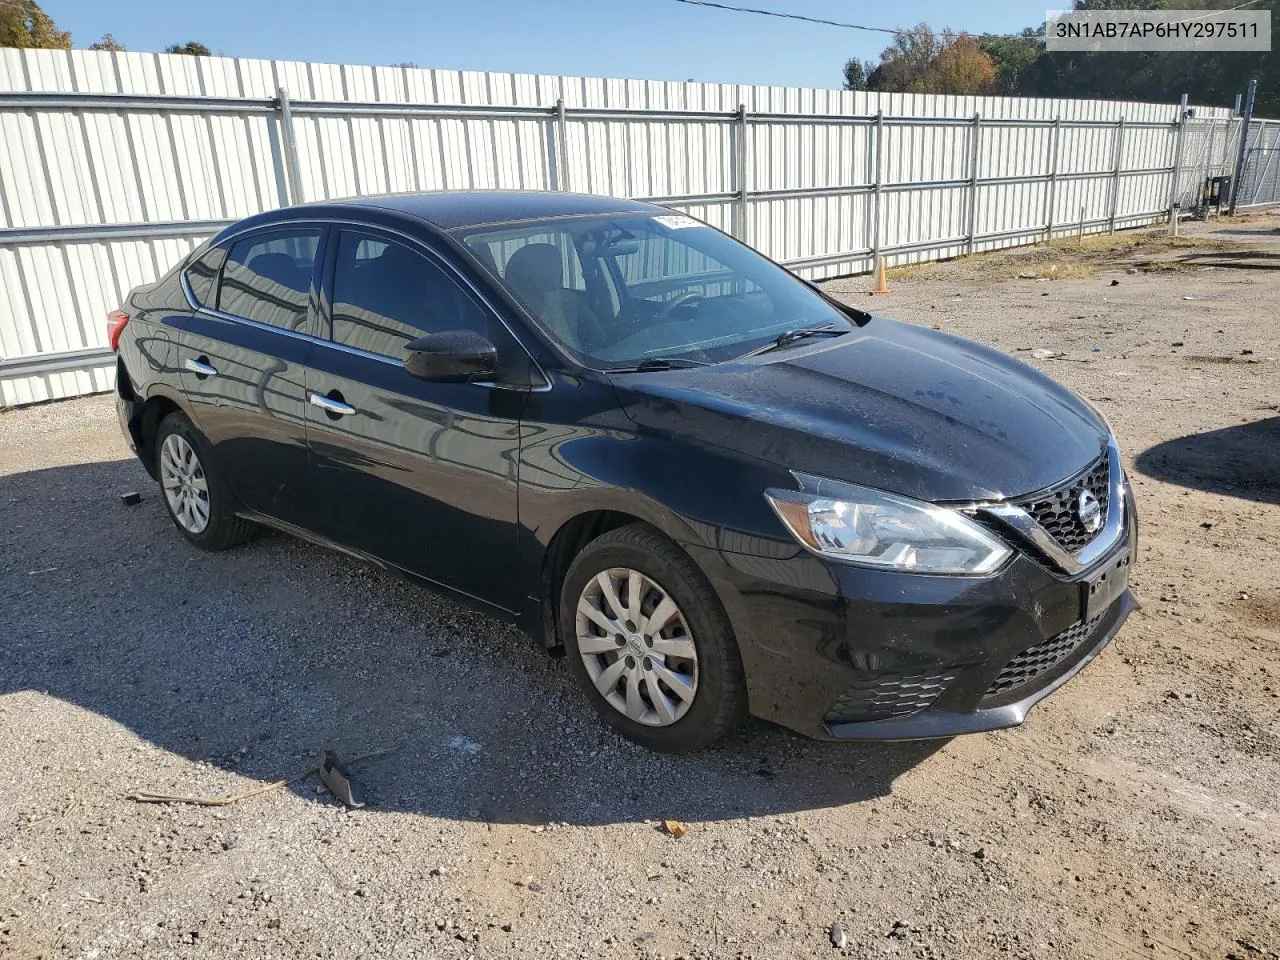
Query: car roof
[[454, 209]]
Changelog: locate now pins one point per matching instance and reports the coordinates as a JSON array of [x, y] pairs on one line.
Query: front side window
[[267, 277], [202, 273], [617, 290], [385, 295]]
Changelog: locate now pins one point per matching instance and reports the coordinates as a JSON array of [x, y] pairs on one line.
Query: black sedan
[[716, 489]]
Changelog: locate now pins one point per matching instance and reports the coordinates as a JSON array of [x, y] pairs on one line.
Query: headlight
[[875, 529]]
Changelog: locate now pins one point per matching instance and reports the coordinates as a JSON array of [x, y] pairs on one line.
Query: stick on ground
[[143, 797]]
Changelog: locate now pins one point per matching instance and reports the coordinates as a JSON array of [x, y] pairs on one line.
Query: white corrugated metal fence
[[114, 165]]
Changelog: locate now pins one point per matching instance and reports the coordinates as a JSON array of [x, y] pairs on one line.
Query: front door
[[422, 475]]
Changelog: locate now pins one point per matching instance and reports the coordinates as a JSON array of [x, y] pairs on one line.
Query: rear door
[[420, 474], [243, 356]]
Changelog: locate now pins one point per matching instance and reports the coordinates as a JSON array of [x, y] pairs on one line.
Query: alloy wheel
[[637, 647], [185, 486]]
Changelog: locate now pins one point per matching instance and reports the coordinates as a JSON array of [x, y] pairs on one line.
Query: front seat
[[535, 274]]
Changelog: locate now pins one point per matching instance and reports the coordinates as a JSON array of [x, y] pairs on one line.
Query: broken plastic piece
[[333, 776]]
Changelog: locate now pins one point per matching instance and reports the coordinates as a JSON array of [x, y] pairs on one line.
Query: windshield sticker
[[677, 222]]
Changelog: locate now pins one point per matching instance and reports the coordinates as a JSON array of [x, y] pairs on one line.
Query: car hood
[[890, 405]]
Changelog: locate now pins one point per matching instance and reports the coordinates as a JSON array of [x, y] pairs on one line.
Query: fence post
[[1175, 195], [741, 230], [552, 135], [1208, 157], [289, 145], [561, 141], [1051, 195], [974, 154], [1244, 139], [1115, 175], [878, 186]]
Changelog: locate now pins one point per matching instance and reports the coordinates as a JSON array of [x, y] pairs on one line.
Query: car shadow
[[1240, 461], [1235, 259], [256, 659], [1244, 232]]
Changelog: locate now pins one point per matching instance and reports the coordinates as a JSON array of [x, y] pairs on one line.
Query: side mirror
[[451, 356]]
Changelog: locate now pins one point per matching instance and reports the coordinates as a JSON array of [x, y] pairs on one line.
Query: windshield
[[615, 291]]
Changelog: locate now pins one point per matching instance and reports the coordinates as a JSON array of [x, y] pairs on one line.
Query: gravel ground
[[1134, 815]]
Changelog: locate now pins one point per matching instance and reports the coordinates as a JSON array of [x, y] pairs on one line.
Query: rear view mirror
[[451, 356]]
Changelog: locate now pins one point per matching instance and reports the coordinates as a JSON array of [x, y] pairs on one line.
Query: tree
[[190, 48], [1208, 78], [915, 62], [906, 62], [855, 74], [1012, 56], [961, 68], [24, 24], [921, 61], [108, 42]]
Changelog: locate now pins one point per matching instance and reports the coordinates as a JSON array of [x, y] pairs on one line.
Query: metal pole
[[1244, 139], [1209, 163], [878, 195], [1080, 232], [740, 172], [1175, 196], [290, 144], [552, 135], [975, 137], [1051, 198], [562, 148], [1115, 174]]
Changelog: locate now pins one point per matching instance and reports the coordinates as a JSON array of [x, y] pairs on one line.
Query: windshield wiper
[[661, 363], [788, 337]]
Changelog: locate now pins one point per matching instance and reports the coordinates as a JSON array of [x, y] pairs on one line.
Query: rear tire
[[198, 501], [655, 651]]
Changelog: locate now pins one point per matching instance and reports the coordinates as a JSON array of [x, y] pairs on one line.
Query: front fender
[[707, 499]]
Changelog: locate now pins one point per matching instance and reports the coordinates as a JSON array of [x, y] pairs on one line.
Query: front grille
[[1057, 513], [889, 695], [1036, 661]]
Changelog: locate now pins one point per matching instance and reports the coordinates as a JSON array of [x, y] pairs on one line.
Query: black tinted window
[[202, 273], [267, 278], [385, 295], [619, 289]]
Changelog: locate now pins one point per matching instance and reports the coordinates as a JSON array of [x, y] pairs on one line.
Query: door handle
[[332, 406], [201, 368]]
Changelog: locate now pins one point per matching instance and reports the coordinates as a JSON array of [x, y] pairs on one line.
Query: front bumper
[[933, 723], [839, 652]]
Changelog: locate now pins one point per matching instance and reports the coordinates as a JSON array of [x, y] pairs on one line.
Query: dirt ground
[[1134, 815]]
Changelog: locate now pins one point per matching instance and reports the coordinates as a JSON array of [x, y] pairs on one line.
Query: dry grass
[[1074, 258], [1069, 270], [1070, 258], [910, 270]]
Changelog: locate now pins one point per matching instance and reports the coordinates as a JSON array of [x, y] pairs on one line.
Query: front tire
[[198, 502], [648, 639]]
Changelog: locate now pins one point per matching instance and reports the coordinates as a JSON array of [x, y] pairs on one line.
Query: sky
[[644, 39]]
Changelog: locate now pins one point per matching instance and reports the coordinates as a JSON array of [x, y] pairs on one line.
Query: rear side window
[[267, 278], [202, 274], [385, 295]]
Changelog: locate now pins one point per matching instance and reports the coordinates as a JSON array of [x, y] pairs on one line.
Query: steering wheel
[[684, 300]]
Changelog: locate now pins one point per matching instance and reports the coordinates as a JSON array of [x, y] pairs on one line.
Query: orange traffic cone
[[879, 284]]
